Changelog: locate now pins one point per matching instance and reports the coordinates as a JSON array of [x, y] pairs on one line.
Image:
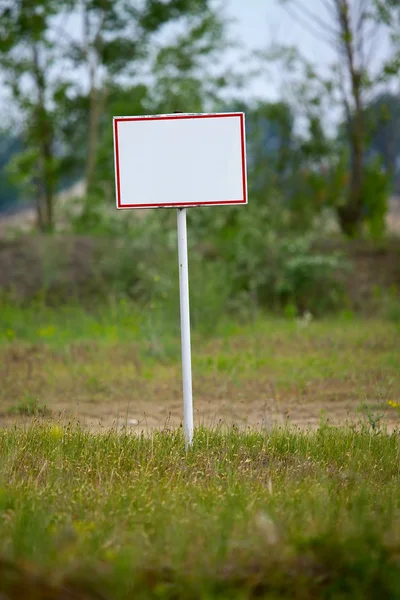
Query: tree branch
[[329, 8], [317, 20], [320, 35]]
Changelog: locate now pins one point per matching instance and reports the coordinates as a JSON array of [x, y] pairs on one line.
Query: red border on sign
[[171, 117]]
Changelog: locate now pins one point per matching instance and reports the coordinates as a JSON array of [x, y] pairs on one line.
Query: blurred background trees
[[356, 84], [69, 64], [323, 158]]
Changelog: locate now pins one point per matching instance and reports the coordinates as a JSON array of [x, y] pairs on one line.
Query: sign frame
[[176, 117]]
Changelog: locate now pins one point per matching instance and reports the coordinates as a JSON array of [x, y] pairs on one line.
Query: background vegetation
[[69, 66]]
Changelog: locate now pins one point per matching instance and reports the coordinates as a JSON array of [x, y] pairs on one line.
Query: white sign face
[[180, 160]]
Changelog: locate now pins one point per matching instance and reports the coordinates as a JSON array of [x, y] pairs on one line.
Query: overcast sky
[[259, 23], [262, 22]]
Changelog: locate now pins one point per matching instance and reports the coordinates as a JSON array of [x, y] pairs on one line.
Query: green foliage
[[310, 280], [183, 78], [269, 264], [389, 301], [69, 134], [370, 418], [27, 56], [66, 120], [375, 197], [241, 260], [348, 85]]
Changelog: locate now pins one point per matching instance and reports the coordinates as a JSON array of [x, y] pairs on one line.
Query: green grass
[[250, 511], [28, 407], [243, 515]]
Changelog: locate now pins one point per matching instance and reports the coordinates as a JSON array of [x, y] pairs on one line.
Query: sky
[[260, 23]]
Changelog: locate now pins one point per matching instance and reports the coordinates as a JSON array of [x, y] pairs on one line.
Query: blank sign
[[180, 160]]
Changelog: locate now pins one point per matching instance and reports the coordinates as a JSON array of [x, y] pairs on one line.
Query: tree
[[117, 51], [352, 30], [105, 45], [73, 73], [181, 69], [26, 56]]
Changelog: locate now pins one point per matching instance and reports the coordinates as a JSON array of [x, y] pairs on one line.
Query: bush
[[241, 260], [270, 266]]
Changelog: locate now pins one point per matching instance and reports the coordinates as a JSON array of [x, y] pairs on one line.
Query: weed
[[395, 405], [371, 417], [29, 407]]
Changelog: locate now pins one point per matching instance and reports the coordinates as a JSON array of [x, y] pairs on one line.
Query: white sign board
[[180, 160]]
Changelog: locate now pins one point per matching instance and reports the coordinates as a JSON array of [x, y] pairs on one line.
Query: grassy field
[[243, 515], [273, 500]]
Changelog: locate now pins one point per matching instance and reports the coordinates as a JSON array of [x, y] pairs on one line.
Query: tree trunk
[[96, 107], [44, 134], [39, 209], [47, 172], [351, 215], [97, 92], [92, 135]]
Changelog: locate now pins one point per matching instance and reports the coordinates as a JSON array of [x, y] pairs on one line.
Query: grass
[[287, 514], [252, 511], [29, 407], [119, 362]]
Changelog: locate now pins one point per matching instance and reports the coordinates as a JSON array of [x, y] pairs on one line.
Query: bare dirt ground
[[258, 381], [250, 406], [274, 375]]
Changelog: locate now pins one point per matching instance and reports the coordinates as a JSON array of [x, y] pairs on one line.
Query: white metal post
[[185, 327]]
